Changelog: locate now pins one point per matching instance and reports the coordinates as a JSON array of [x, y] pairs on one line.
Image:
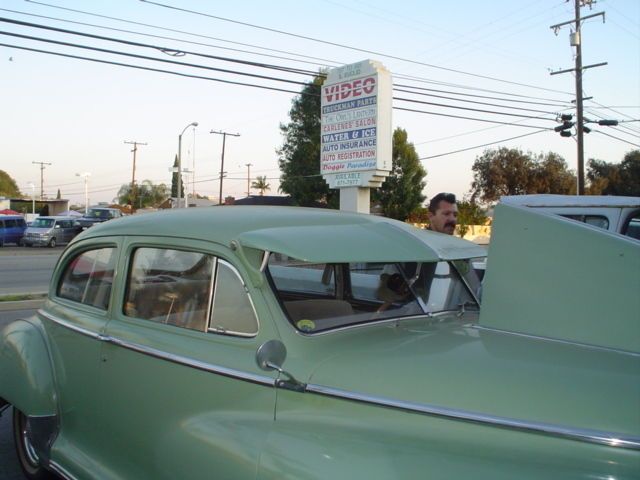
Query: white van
[[616, 214]]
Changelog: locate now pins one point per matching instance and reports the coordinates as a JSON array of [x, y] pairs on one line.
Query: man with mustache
[[443, 213]]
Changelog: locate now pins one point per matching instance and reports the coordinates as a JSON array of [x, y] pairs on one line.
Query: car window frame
[[68, 256], [126, 258]]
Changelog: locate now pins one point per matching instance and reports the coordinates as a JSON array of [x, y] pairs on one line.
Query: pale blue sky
[[77, 114]]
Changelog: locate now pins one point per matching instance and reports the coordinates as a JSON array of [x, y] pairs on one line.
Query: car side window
[[233, 312], [88, 277], [632, 227], [170, 286], [11, 223], [595, 220]]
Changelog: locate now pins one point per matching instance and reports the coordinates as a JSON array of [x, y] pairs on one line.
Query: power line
[[162, 37], [139, 67], [483, 145], [373, 52], [469, 118], [145, 57], [617, 138], [326, 64]]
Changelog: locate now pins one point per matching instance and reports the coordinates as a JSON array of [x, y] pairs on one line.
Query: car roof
[[548, 200], [318, 235]]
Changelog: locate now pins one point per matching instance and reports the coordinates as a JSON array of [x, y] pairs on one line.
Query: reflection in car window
[[233, 312], [170, 286], [43, 223], [365, 292], [87, 278]]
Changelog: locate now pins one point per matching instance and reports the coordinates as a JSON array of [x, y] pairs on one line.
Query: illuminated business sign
[[356, 138]]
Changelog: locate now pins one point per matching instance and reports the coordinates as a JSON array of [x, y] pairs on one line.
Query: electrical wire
[[139, 67], [373, 52], [617, 138], [483, 145], [469, 118]]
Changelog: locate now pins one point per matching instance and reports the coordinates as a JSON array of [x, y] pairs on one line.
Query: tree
[[174, 181], [509, 171], [147, 194], [469, 213], [401, 192], [8, 186], [615, 179], [261, 184], [299, 156]]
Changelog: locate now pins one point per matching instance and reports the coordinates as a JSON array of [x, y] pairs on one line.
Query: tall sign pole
[[356, 138]]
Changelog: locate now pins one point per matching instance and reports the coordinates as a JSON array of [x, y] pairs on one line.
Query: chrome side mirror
[[271, 355]]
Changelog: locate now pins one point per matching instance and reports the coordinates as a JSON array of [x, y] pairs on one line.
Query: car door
[[184, 395], [75, 316]]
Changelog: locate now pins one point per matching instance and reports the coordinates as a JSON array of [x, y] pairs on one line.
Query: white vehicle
[[616, 214]]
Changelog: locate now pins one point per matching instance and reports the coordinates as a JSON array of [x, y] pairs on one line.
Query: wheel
[[27, 456], [52, 242]]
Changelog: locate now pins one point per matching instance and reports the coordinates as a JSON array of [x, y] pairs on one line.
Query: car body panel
[[433, 395], [62, 229], [583, 296], [25, 365]]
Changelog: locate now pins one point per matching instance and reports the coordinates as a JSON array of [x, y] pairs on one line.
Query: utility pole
[[248, 165], [576, 41], [224, 138], [42, 167], [133, 175]]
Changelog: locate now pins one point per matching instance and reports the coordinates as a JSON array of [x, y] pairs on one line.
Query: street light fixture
[[86, 176], [179, 194], [33, 197]]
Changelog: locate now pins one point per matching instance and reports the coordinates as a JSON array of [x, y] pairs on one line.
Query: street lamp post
[[33, 197], [179, 193], [86, 176]]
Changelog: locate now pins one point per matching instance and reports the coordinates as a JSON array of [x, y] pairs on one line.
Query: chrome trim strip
[[265, 260], [557, 340], [55, 467], [591, 436], [178, 359], [70, 326]]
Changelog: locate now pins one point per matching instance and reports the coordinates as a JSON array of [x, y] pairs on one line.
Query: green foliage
[[261, 184], [401, 192], [8, 186], [509, 171], [299, 156], [147, 194], [174, 181], [615, 179], [470, 213], [419, 215]]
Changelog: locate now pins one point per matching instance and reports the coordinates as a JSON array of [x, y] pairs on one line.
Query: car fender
[[26, 374]]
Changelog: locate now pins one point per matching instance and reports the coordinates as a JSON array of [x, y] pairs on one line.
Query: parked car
[[12, 229], [616, 214], [291, 343], [97, 215], [50, 231]]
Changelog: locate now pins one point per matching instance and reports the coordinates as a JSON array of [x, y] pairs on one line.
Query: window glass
[[366, 292], [232, 309], [11, 223], [43, 223], [633, 227], [595, 220], [87, 278], [170, 286], [317, 278]]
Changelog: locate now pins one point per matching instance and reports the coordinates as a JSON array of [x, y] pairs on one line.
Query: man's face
[[445, 218]]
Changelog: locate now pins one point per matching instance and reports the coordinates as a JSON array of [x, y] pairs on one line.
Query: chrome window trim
[[557, 340], [599, 437], [178, 359], [246, 291]]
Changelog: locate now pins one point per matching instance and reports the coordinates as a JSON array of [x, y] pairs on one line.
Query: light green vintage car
[[288, 343]]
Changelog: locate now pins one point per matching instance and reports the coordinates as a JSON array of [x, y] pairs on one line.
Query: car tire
[[52, 243], [27, 457]]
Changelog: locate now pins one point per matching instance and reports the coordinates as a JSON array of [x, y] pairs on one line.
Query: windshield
[[323, 296], [99, 213], [43, 223]]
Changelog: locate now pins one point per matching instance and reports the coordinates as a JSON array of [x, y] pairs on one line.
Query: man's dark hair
[[435, 201]]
